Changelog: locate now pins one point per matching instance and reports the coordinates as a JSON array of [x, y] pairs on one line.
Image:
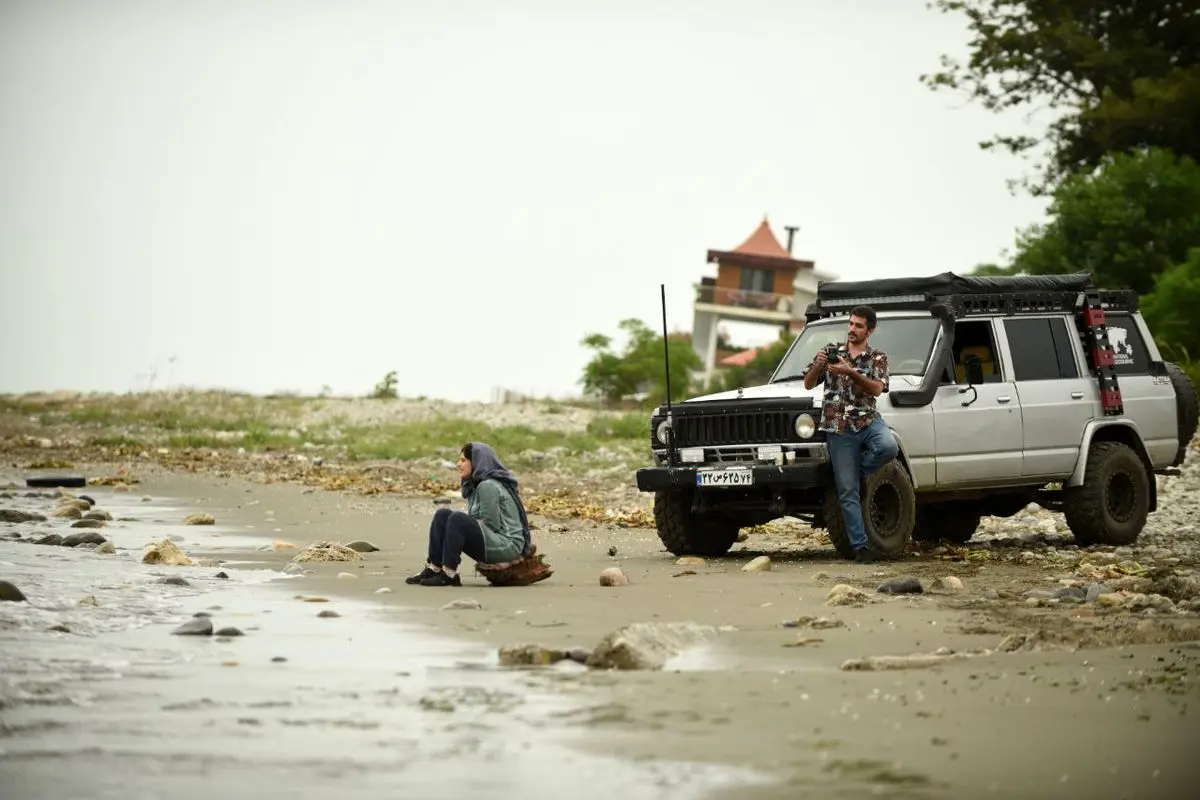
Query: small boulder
[[10, 593], [13, 515], [759, 564], [104, 516], [690, 561], [67, 512], [107, 548], [530, 655], [199, 518], [647, 645], [50, 538], [613, 576], [196, 626], [359, 546], [326, 551], [328, 613], [845, 595], [948, 583], [906, 585], [230, 631], [174, 580], [88, 523], [86, 537], [166, 552]]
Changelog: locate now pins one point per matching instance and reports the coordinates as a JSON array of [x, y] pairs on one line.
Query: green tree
[[639, 367], [1126, 224], [1120, 75], [1173, 309]]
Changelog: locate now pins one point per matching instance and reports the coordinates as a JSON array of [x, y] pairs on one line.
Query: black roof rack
[[968, 295]]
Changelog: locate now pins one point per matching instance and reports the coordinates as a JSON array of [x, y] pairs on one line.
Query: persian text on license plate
[[725, 477]]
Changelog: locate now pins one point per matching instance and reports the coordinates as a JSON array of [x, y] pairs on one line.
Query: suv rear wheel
[[889, 509], [686, 534], [1112, 504]]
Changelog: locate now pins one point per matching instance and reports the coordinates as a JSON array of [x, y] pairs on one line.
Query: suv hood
[[794, 389], [786, 389]]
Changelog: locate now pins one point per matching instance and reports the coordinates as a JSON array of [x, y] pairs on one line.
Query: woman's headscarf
[[486, 466]]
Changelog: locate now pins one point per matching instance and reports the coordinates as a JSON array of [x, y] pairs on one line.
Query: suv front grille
[[762, 427]]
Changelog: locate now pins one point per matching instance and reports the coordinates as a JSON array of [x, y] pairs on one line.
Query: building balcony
[[744, 304]]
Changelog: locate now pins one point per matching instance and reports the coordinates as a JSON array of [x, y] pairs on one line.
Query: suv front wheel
[[889, 509], [1112, 504], [687, 534]]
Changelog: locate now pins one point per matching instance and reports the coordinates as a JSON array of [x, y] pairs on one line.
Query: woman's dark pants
[[451, 534]]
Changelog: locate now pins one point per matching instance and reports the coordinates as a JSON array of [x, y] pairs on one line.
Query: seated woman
[[494, 531]]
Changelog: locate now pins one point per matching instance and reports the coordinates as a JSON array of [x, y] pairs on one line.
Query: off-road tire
[[1187, 409], [948, 523], [1112, 504], [686, 534], [889, 508]]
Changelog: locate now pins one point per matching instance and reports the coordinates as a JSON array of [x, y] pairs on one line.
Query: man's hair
[[867, 313]]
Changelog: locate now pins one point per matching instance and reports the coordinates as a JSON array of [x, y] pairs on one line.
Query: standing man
[[858, 440]]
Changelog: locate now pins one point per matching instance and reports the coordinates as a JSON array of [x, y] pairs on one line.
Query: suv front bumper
[[794, 476]]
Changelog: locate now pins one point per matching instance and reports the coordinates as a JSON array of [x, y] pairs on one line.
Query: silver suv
[[1004, 392]]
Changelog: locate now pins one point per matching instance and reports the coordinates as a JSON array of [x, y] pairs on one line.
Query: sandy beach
[[1028, 698]]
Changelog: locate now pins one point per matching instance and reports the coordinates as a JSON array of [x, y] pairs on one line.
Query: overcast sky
[[289, 195]]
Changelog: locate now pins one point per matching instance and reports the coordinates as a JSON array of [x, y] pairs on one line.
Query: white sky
[[286, 195]]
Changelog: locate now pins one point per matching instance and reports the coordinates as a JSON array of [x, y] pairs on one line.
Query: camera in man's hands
[[831, 352]]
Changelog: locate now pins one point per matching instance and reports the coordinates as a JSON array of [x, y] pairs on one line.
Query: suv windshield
[[906, 340]]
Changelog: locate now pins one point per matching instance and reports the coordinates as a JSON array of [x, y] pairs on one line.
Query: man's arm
[[873, 380], [813, 373]]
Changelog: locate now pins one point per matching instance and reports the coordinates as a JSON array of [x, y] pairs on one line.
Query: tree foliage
[[613, 376], [1126, 224], [1173, 310], [1121, 75]]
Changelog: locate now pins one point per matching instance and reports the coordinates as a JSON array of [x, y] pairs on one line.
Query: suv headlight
[[660, 432], [805, 426]]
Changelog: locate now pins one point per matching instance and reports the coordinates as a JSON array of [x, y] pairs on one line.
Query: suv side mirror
[[974, 370]]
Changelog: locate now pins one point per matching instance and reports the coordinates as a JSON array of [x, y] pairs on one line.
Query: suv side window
[[1126, 339], [1042, 349], [973, 337]]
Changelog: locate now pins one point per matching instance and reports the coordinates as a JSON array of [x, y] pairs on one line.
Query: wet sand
[[1116, 722]]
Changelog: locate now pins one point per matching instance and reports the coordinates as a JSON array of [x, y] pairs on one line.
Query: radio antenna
[[667, 363]]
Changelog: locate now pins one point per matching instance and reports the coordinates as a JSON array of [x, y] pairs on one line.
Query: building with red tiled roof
[[759, 281]]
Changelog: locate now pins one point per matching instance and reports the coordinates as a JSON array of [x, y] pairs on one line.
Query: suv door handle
[[1003, 398], [1076, 395]]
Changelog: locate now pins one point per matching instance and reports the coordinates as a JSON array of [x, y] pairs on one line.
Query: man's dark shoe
[[422, 575], [864, 555], [441, 579]]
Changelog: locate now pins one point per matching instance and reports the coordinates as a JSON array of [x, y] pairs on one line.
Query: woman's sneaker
[[440, 578], [422, 575]]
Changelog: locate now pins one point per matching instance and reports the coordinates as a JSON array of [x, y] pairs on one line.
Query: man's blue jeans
[[854, 456]]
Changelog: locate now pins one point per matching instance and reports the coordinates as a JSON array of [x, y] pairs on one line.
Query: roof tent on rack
[[947, 284]]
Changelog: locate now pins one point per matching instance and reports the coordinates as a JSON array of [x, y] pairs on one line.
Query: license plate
[[725, 477]]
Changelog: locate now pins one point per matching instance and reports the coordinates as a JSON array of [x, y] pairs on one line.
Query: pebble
[[613, 576], [759, 564], [196, 626], [905, 585]]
